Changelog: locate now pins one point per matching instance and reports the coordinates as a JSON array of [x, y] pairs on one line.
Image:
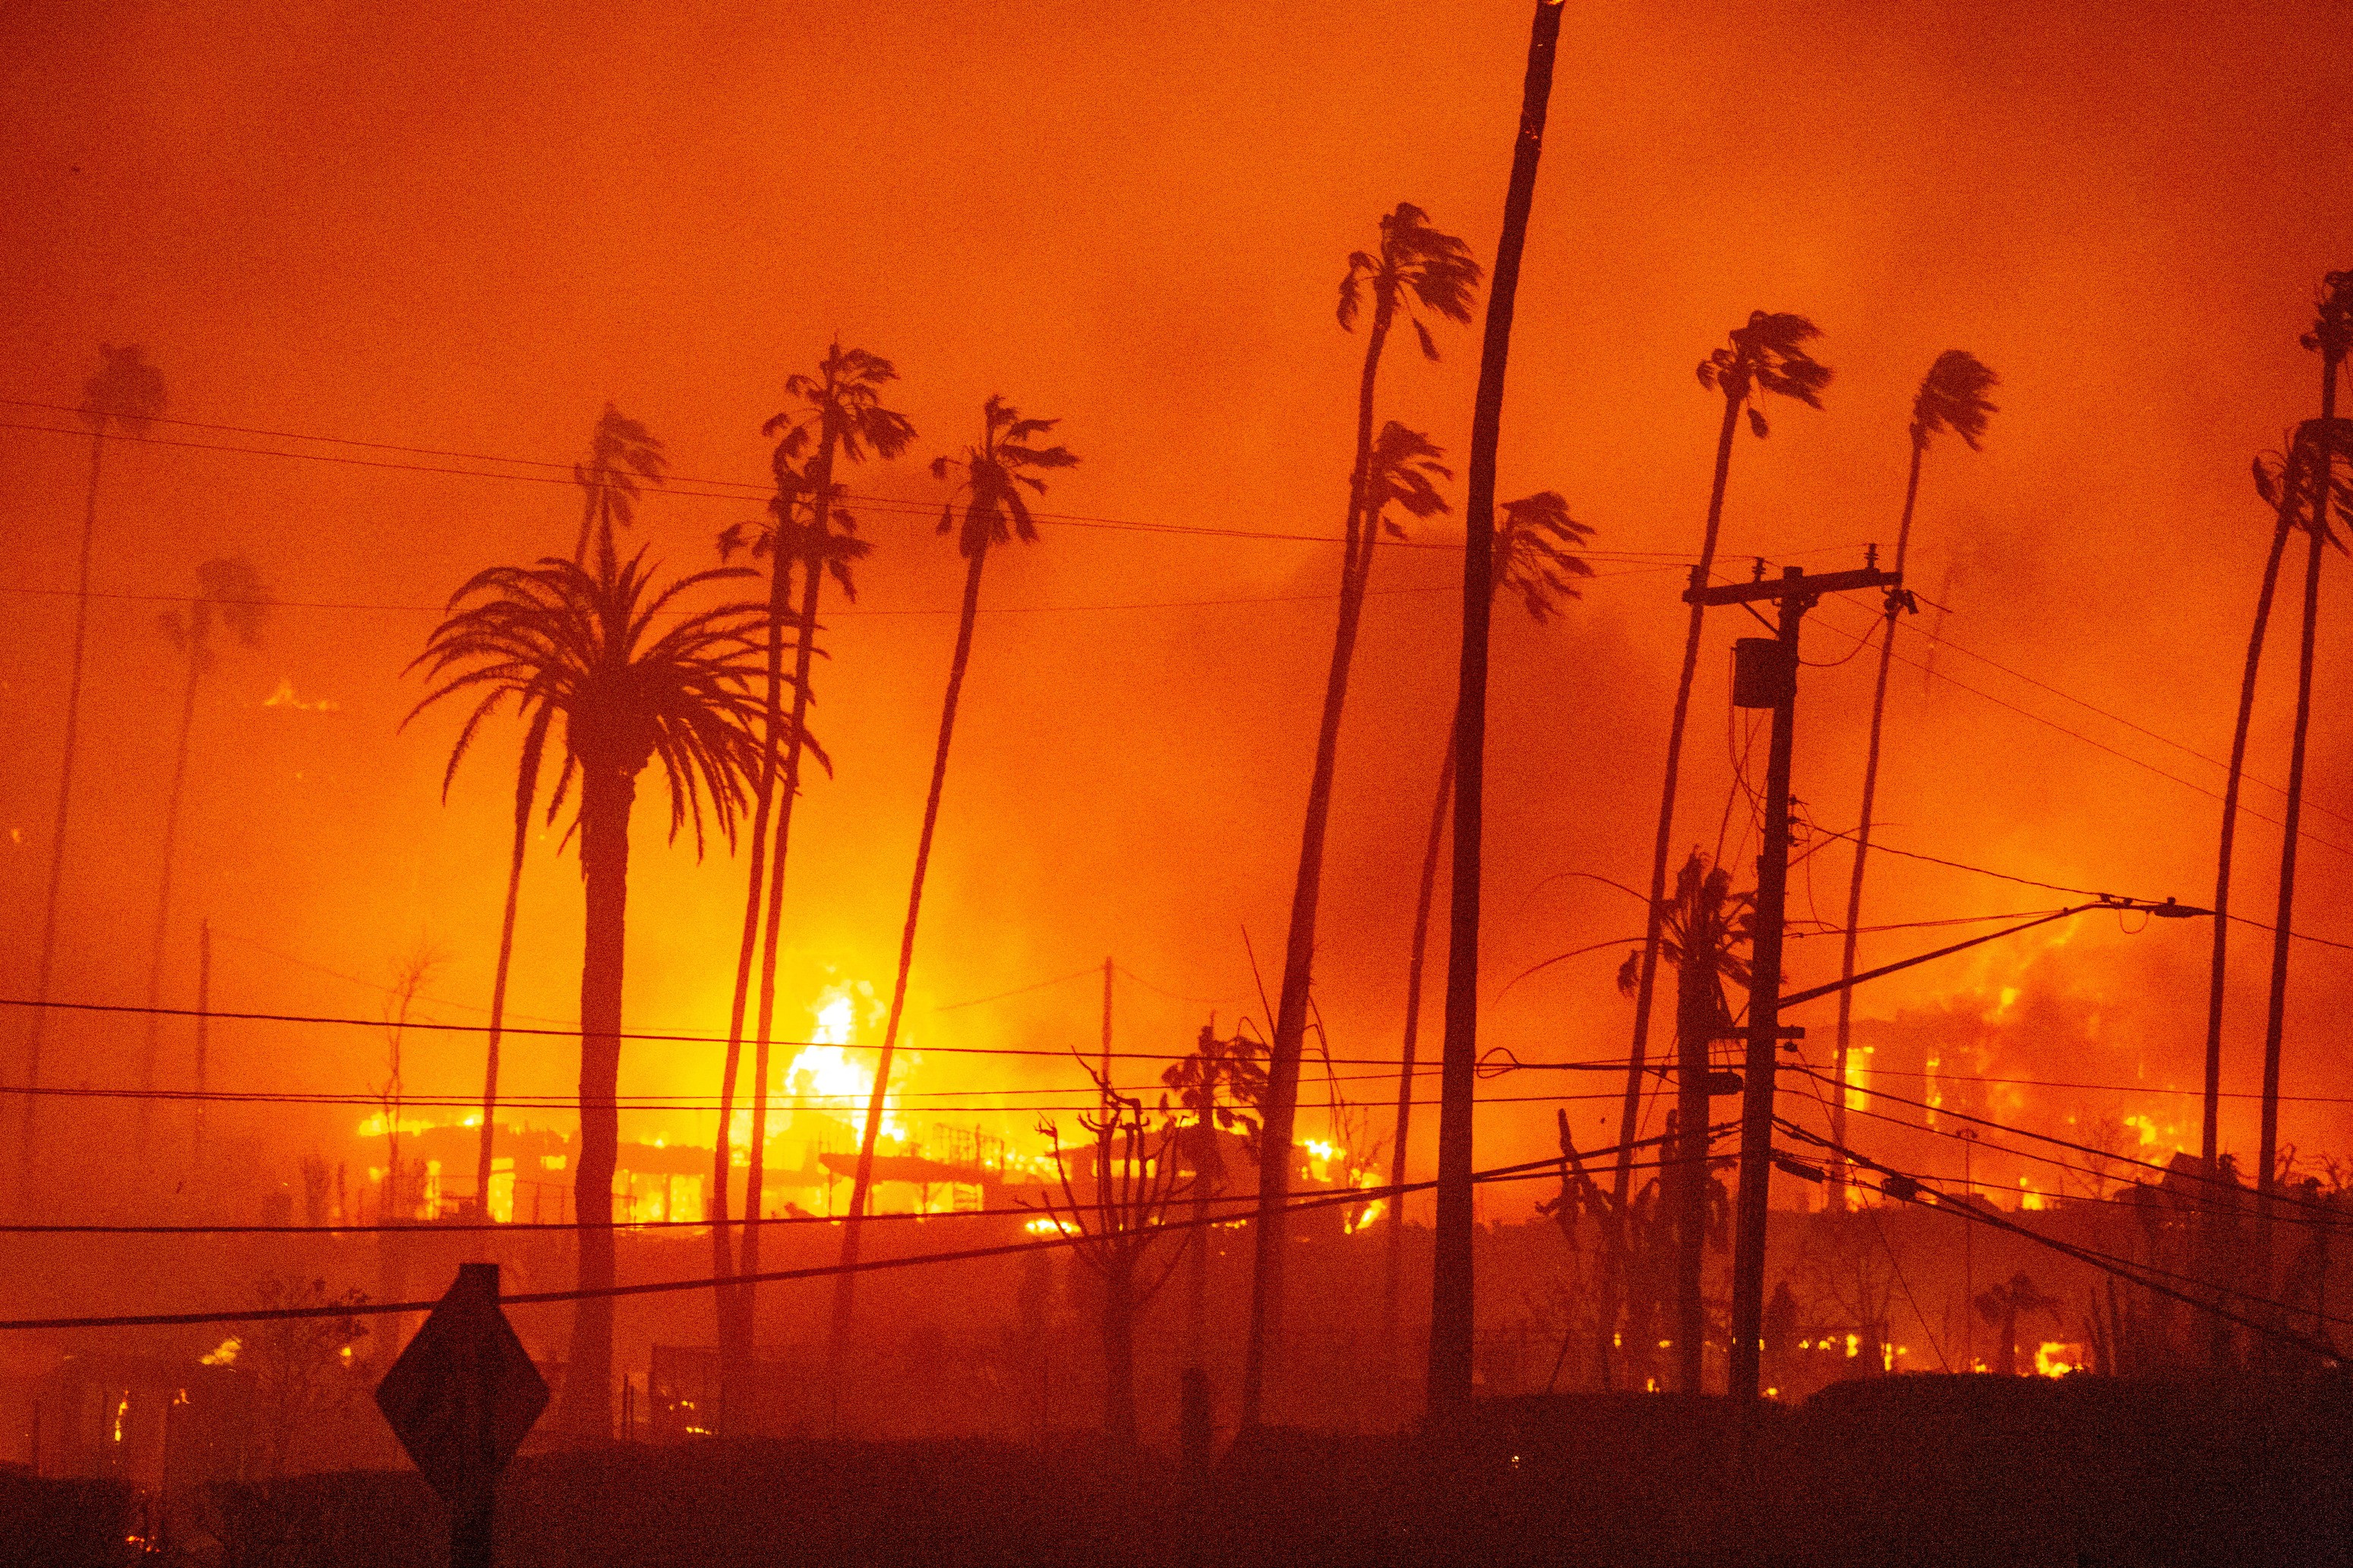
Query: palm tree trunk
[[1394, 1263], [588, 524], [804, 654], [1450, 1292], [734, 1306], [1281, 1107], [1630, 1112], [57, 835], [607, 796], [2275, 1019], [1197, 1294], [2210, 1149], [1862, 832], [526, 788], [845, 1284], [1686, 1178], [164, 893]]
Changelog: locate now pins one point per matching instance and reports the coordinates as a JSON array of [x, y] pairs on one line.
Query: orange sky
[[435, 226]]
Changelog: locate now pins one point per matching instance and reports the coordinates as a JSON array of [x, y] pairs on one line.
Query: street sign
[[461, 1399]]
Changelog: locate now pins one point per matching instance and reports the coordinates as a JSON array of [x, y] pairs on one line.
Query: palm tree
[[592, 651], [229, 591], [840, 413], [126, 395], [1951, 397], [1416, 269], [1449, 1390], [1767, 355], [995, 471], [1223, 1085], [620, 452], [1701, 932], [2332, 338], [1535, 557], [2001, 1305]]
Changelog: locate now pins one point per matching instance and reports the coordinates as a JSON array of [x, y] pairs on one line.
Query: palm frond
[[1953, 397], [1536, 552], [127, 391]]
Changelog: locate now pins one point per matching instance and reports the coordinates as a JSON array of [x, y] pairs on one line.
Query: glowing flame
[[222, 1354], [2053, 1359]]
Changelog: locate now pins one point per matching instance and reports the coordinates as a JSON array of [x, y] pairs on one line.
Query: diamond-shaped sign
[[464, 1393]]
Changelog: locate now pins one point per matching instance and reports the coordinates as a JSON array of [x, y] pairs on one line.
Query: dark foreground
[[1910, 1470]]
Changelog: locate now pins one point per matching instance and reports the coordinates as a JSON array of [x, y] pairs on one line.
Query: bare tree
[[1122, 1231], [301, 1369]]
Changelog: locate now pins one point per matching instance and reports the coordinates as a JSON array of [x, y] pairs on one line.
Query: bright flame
[[1045, 1225], [222, 1354], [2028, 1198], [2052, 1359]]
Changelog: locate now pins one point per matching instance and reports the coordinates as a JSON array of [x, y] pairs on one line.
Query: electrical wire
[[1527, 1171]]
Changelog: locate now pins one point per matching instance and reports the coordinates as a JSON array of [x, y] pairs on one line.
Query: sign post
[[461, 1399]]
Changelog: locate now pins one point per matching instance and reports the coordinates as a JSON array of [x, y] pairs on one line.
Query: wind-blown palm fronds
[[1415, 268], [125, 395], [990, 476], [1952, 398], [837, 414], [229, 596], [621, 452]]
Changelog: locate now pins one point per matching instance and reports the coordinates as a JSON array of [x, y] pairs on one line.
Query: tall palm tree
[[229, 593], [1416, 269], [125, 395], [993, 472], [1952, 397], [1449, 1390], [1767, 355], [594, 652], [621, 451], [1536, 558], [2332, 338], [838, 413]]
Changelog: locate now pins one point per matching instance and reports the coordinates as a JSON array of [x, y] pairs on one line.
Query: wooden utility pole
[[1106, 1028], [1765, 676]]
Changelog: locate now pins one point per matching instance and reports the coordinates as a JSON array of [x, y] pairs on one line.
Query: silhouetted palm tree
[[1767, 355], [1700, 933], [2001, 1305], [1449, 1377], [995, 471], [2332, 338], [1416, 269], [621, 452], [839, 414], [1536, 558], [1222, 1086], [1952, 397], [594, 652], [126, 395], [229, 593]]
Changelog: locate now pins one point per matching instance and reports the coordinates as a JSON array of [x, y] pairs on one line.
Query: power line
[[2100, 745], [375, 1309], [219, 1015], [1906, 1188]]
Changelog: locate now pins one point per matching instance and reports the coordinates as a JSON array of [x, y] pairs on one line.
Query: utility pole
[[1106, 1028], [203, 1017], [1765, 675]]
